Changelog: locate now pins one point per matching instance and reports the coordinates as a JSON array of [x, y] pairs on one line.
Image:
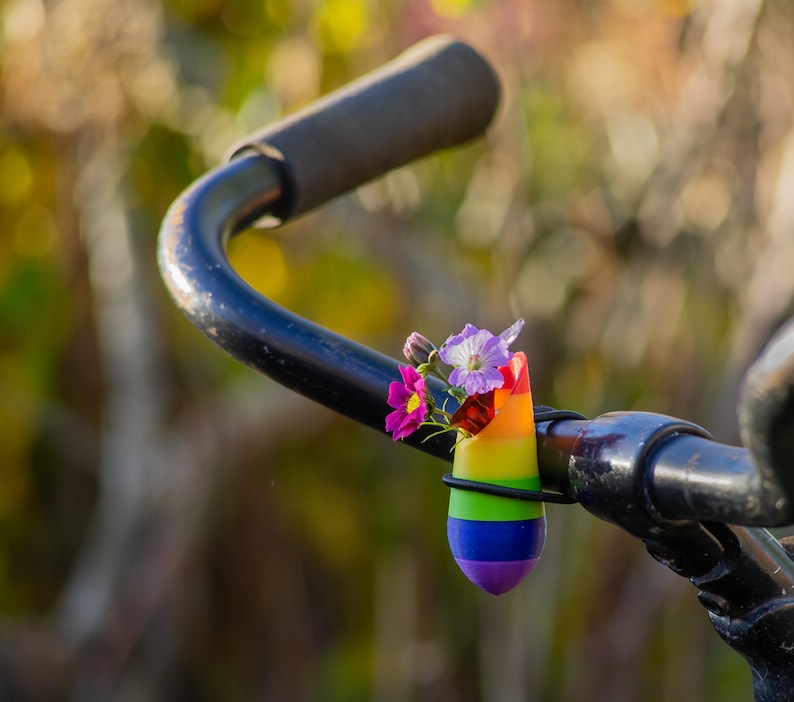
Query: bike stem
[[620, 467]]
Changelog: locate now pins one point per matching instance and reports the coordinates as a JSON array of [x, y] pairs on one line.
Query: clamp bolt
[[715, 604]]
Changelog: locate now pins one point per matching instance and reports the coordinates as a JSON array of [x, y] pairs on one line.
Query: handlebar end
[[766, 414], [439, 93]]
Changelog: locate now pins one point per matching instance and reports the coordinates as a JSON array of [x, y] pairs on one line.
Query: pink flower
[[476, 355], [410, 400]]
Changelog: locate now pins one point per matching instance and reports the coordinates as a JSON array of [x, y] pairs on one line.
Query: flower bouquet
[[495, 540]]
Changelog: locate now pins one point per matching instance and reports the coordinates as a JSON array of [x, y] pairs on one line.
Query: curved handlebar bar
[[659, 478], [439, 94]]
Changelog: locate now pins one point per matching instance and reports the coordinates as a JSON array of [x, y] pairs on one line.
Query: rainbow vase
[[496, 541]]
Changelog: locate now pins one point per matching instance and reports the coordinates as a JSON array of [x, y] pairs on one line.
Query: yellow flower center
[[413, 402]]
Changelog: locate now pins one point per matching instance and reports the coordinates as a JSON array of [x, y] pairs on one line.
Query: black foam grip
[[439, 93]]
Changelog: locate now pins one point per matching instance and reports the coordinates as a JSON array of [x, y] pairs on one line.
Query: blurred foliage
[[172, 527]]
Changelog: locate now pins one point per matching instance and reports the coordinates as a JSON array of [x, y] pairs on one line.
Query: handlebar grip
[[439, 93]]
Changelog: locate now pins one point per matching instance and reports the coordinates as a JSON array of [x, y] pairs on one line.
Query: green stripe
[[465, 504]]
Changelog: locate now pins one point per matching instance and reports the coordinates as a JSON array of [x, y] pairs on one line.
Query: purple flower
[[410, 400], [476, 355]]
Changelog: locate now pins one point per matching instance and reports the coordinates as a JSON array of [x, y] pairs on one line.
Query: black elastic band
[[506, 491], [542, 413]]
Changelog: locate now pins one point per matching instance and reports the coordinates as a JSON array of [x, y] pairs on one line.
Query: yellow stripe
[[496, 459]]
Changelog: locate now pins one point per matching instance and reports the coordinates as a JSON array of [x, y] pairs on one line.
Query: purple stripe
[[496, 577]]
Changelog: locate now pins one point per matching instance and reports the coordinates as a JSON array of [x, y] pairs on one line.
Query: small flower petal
[[474, 414], [510, 334], [398, 395], [411, 403], [477, 382]]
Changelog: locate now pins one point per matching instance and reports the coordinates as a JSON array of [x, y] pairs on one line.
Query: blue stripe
[[496, 541]]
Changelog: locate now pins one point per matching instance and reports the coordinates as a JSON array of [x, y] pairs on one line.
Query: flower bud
[[418, 349]]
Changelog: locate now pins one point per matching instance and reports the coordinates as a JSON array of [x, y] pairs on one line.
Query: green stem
[[435, 370]]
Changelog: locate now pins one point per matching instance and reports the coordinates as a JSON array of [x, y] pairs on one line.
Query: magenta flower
[[476, 355], [410, 400]]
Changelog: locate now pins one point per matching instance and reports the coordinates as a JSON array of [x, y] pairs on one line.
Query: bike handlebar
[[766, 410], [438, 94], [662, 479], [434, 96]]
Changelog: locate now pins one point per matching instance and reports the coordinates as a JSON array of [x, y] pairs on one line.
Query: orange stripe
[[514, 416]]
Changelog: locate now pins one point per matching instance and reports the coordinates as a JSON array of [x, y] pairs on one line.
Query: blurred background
[[176, 527]]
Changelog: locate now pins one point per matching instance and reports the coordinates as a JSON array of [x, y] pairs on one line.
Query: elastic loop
[[543, 413], [506, 491]]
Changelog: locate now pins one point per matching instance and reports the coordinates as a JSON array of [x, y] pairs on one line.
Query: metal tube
[[694, 477], [636, 461], [687, 475], [345, 376]]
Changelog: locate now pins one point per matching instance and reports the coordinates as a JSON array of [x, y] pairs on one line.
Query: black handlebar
[[766, 411], [661, 479], [440, 93]]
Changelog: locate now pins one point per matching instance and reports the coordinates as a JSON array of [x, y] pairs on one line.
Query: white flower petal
[[510, 334]]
